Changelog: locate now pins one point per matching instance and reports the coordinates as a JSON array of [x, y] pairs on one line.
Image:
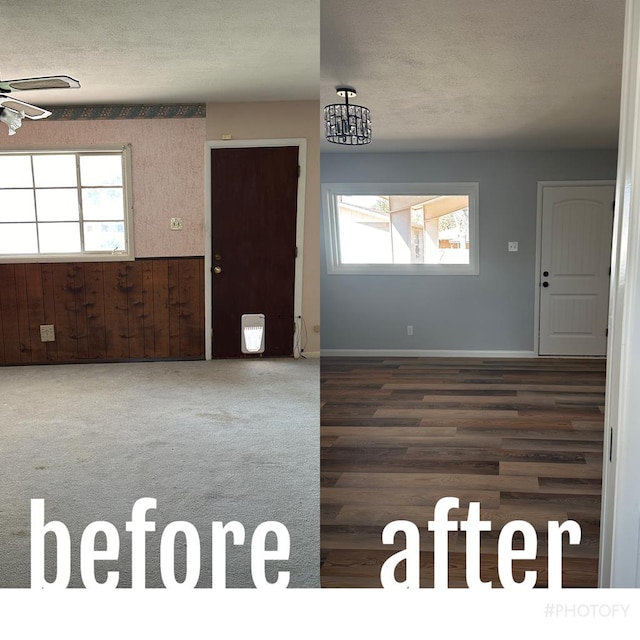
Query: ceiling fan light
[[347, 123], [13, 119]]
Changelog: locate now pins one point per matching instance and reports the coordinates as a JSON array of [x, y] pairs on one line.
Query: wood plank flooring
[[522, 437]]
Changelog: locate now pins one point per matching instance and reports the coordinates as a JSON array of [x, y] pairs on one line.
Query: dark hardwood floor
[[522, 437]]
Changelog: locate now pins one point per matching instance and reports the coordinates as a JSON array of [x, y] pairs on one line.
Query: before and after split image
[[319, 294]]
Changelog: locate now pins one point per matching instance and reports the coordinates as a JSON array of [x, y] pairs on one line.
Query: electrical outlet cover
[[47, 333]]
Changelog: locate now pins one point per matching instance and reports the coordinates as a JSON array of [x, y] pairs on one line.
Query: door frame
[[620, 521], [541, 185], [209, 145]]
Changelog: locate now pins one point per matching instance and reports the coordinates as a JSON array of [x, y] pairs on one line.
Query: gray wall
[[491, 311]]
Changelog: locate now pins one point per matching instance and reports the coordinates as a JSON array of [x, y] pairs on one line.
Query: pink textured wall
[[167, 173]]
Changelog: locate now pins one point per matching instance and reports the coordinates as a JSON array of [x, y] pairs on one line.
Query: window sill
[[71, 257]]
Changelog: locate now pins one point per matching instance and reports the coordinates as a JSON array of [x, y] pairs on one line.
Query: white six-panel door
[[575, 260]]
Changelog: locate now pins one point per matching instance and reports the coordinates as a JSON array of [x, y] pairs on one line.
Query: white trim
[[422, 353], [46, 258], [619, 529], [301, 143], [311, 354], [541, 186], [332, 240]]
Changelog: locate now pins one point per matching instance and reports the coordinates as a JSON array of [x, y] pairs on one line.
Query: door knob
[[217, 269], [545, 284]]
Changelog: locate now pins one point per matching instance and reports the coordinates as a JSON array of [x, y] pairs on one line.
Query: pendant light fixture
[[347, 123]]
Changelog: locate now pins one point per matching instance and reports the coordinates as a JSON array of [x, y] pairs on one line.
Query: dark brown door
[[253, 230]]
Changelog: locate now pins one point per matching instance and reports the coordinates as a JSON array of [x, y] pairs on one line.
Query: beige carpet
[[210, 441]]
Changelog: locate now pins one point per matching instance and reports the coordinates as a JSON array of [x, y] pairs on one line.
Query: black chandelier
[[347, 123]]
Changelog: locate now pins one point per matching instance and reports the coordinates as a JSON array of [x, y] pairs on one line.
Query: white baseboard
[[423, 353]]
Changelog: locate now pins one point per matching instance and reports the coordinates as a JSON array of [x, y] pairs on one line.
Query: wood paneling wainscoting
[[150, 308], [522, 437]]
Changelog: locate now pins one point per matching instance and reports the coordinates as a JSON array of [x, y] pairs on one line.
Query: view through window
[[401, 228]]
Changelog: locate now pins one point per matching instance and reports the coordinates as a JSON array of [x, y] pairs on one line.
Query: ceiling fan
[[13, 111]]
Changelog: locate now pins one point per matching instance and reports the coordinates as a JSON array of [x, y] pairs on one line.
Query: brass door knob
[[217, 269]]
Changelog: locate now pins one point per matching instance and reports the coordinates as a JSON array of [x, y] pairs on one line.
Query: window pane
[[57, 204], [104, 236], [15, 171], [59, 237], [101, 171], [453, 237], [365, 230], [55, 170], [403, 229], [49, 200], [17, 205], [18, 238], [102, 204]]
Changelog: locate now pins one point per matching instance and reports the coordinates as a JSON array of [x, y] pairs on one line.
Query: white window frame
[[85, 256], [330, 191]]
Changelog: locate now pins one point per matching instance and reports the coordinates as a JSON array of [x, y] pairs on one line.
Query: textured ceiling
[[436, 74], [477, 74], [164, 51]]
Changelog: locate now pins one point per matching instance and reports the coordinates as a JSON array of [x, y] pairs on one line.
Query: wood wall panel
[[135, 306], [9, 307], [1, 323], [161, 308], [22, 307], [94, 304], [191, 287], [146, 309], [174, 308], [80, 303], [65, 311], [116, 310], [35, 309], [48, 300]]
